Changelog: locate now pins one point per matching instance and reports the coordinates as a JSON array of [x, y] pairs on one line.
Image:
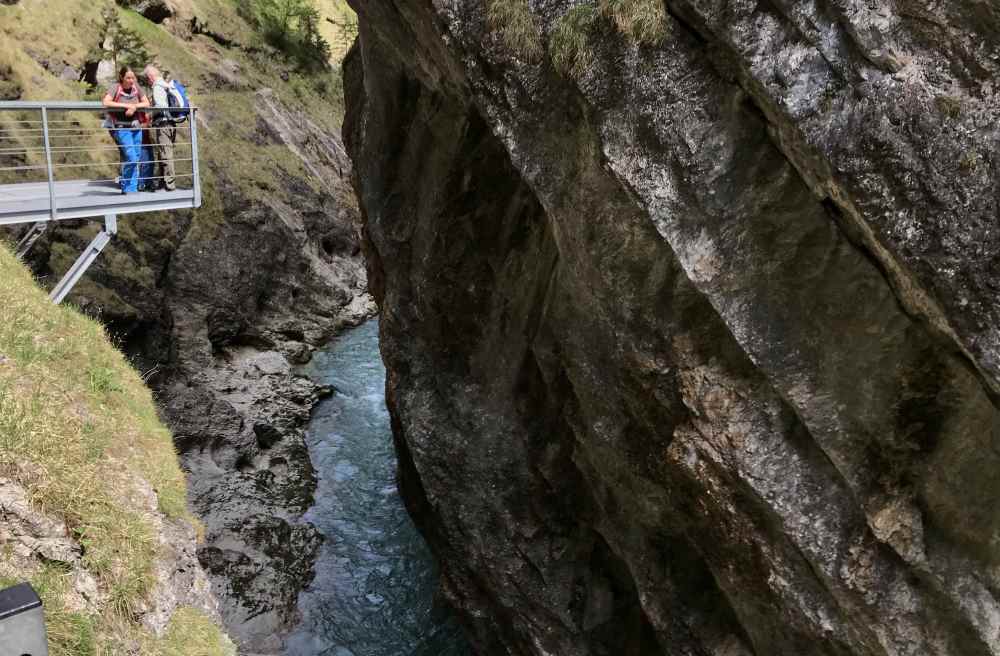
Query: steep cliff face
[[693, 348]]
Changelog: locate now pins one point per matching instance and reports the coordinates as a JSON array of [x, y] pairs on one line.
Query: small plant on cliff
[[949, 106], [120, 44], [643, 21], [291, 26], [571, 53], [517, 26]]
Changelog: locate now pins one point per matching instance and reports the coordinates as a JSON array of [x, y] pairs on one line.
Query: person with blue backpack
[[171, 99]]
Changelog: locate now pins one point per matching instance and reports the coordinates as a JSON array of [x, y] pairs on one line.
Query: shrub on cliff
[[120, 44], [517, 26], [644, 22], [291, 26]]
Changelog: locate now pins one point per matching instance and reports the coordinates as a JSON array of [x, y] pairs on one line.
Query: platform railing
[[60, 160], [63, 147]]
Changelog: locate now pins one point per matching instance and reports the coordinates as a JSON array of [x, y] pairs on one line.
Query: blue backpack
[[177, 98]]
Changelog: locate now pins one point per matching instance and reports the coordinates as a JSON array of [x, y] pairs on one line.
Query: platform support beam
[[86, 259], [28, 240]]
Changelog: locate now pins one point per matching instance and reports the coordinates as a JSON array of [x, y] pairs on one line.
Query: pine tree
[[121, 45]]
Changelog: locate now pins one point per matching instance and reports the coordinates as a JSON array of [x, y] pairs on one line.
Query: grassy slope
[[77, 426]]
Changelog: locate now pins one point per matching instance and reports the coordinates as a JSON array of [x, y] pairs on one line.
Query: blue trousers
[[146, 168], [130, 145]]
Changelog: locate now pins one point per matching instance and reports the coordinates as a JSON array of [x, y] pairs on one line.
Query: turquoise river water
[[375, 583]]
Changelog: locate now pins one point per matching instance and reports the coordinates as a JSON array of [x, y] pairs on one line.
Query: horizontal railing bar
[[118, 204], [68, 132], [80, 166], [73, 149], [32, 121], [14, 105]]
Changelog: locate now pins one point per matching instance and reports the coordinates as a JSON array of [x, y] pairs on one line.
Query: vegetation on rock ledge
[[79, 434], [644, 22]]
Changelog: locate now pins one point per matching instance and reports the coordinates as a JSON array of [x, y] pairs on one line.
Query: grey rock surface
[[31, 538], [695, 350]]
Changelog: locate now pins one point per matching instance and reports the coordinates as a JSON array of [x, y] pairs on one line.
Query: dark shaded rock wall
[[696, 353]]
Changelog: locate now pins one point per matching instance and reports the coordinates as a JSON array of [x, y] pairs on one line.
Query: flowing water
[[373, 594]]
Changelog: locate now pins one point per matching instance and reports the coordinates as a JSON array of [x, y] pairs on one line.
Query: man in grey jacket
[[165, 130]]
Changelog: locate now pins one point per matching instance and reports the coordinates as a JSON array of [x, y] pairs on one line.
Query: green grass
[[569, 45], [69, 632], [191, 633], [77, 428], [517, 27], [644, 22]]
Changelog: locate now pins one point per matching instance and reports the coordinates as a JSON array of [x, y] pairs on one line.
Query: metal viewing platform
[[58, 161]]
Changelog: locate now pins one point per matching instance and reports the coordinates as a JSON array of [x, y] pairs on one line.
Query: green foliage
[[103, 380], [571, 53], [124, 46], [644, 22], [346, 27], [517, 26], [291, 26]]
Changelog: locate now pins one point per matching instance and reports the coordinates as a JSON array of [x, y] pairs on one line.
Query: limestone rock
[[694, 350]]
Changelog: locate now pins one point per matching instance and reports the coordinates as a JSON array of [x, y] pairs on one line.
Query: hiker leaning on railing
[[126, 122], [165, 130]]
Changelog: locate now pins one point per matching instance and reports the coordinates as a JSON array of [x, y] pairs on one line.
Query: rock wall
[[694, 350]]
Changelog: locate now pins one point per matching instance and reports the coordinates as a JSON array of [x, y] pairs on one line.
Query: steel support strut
[[30, 237], [87, 258]]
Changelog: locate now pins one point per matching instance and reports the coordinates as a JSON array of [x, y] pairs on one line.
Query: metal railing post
[[53, 212], [193, 119]]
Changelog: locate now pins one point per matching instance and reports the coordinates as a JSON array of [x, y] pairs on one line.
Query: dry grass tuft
[[571, 52], [191, 633], [643, 21], [517, 26]]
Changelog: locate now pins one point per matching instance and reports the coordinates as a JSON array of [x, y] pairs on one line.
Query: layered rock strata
[[694, 350]]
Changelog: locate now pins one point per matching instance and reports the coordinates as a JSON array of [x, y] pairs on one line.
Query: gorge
[[687, 309]]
